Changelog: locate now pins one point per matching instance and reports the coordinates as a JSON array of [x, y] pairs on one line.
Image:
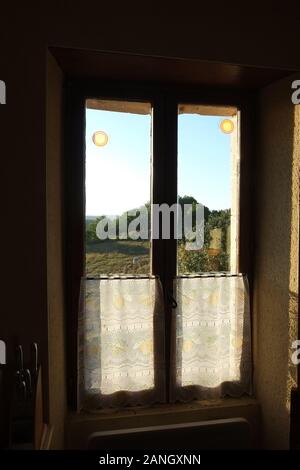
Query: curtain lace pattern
[[211, 353], [122, 339], [121, 342]]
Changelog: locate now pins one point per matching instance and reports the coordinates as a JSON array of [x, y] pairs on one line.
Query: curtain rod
[[112, 277], [183, 276]]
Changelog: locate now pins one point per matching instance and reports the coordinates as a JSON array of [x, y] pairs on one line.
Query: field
[[117, 256], [133, 256]]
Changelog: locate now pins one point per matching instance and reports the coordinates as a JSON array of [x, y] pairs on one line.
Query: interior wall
[[23, 315], [55, 282], [226, 36], [276, 261]]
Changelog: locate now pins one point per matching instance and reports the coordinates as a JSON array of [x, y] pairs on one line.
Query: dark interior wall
[[55, 256], [22, 149], [260, 38], [25, 35]]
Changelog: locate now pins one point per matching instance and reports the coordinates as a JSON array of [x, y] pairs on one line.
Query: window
[[164, 309], [208, 172], [118, 189]]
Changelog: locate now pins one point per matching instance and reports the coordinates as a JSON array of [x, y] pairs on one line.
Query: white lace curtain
[[211, 354], [121, 342]]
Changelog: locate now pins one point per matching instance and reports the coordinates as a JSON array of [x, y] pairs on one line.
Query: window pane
[[208, 159], [118, 170]]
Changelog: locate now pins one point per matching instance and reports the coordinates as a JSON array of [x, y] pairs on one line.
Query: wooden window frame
[[165, 99]]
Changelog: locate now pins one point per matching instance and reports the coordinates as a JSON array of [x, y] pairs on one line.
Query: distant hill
[[90, 219]]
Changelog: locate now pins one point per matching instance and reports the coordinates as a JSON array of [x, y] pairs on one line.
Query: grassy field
[[117, 256]]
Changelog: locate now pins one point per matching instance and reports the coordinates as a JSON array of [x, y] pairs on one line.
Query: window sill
[[81, 425]]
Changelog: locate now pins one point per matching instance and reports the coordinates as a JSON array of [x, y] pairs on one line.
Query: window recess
[[162, 318]]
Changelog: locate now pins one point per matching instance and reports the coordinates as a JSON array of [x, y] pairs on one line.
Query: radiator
[[214, 434]]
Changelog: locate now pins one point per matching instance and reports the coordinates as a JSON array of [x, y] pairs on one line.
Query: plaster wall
[[276, 258], [55, 281]]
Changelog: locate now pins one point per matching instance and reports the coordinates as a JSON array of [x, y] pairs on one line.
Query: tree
[[192, 261]]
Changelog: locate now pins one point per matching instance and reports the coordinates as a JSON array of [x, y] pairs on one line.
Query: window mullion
[[164, 190]]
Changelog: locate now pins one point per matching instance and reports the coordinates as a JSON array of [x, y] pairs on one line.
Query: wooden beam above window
[[133, 107]]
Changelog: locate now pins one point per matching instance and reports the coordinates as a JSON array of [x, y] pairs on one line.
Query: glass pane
[[208, 162], [117, 187]]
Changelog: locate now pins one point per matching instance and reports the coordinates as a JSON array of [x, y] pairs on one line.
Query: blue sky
[[118, 175]]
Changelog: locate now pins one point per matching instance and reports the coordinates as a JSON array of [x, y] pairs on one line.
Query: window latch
[[171, 300]]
